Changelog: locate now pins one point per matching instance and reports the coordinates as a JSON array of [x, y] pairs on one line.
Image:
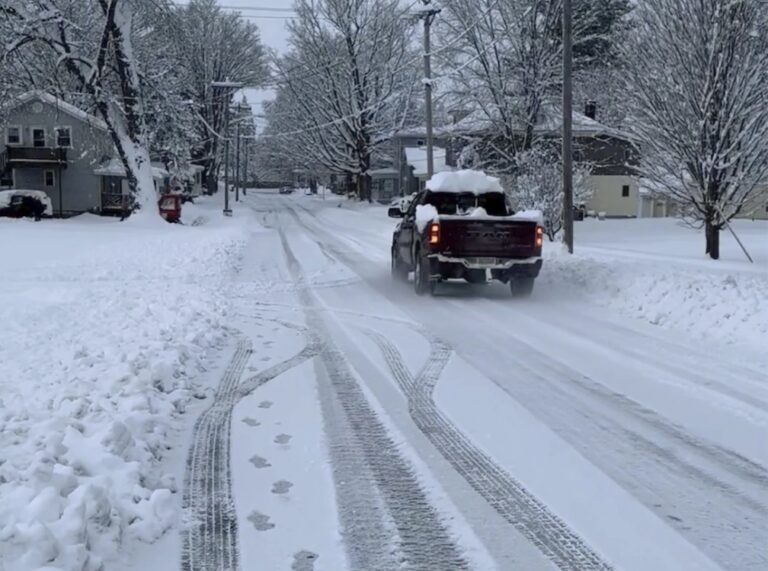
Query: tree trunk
[[712, 233], [211, 183]]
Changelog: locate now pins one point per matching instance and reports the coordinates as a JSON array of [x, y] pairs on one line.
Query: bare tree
[[94, 42], [697, 78], [345, 84], [218, 46]]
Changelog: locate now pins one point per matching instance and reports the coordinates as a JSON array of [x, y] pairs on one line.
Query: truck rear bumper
[[503, 269], [488, 263]]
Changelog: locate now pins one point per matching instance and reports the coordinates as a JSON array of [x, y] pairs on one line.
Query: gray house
[[50, 145]]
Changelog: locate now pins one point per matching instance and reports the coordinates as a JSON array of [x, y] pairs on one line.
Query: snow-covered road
[[258, 393], [473, 431]]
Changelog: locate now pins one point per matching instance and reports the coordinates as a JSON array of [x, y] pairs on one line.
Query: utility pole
[[228, 87], [428, 13], [568, 124], [245, 151], [237, 157]]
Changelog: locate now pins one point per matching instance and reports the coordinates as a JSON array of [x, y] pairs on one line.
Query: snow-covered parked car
[[462, 227], [25, 203]]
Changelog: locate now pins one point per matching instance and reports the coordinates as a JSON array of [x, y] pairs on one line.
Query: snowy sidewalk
[[107, 331]]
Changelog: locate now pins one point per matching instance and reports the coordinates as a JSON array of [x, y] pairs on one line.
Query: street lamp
[[227, 87]]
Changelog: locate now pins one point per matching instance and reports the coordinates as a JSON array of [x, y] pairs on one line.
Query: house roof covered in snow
[[59, 104], [550, 122], [417, 158]]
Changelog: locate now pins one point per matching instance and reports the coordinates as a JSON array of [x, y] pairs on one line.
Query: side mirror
[[395, 212]]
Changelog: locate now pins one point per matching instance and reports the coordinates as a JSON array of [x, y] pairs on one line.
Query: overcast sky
[[270, 16]]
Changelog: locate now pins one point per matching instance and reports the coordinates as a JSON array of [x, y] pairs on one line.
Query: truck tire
[[399, 271], [422, 283], [521, 287]]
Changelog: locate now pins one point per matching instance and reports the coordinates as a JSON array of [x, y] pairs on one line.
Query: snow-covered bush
[[537, 184]]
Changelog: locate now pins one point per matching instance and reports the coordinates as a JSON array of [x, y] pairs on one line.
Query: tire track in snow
[[361, 446], [507, 496], [210, 539]]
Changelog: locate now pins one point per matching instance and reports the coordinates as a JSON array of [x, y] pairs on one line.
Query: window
[[64, 137], [627, 155], [38, 137], [578, 156], [625, 191], [49, 179], [13, 135], [420, 143]]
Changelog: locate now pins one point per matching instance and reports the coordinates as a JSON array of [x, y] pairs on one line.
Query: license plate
[[485, 261]]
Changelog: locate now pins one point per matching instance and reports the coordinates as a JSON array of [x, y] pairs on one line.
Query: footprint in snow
[[264, 359], [304, 561], [265, 404], [252, 422], [260, 521], [283, 439], [259, 462], [282, 487]]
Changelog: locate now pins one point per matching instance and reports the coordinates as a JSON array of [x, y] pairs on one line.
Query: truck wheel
[[421, 282], [521, 287], [399, 271]]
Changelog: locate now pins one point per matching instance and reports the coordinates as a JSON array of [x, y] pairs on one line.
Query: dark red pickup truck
[[466, 235]]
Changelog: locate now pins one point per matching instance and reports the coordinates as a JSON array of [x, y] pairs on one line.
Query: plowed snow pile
[[105, 327]]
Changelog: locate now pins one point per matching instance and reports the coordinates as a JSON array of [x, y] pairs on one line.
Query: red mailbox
[[170, 207]]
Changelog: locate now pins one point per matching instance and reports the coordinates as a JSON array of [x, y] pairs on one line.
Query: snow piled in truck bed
[[105, 328], [425, 213], [464, 181]]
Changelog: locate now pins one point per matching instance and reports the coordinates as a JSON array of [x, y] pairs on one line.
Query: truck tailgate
[[502, 238]]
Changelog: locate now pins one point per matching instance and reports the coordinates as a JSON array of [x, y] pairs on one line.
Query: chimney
[[590, 109]]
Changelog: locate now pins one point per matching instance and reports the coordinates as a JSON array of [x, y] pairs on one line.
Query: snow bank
[[425, 213], [6, 195], [105, 328], [724, 306], [464, 181]]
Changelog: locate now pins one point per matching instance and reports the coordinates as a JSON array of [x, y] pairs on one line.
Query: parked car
[[25, 204], [471, 235], [286, 190]]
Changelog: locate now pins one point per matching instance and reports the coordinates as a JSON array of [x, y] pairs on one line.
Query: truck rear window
[[461, 203]]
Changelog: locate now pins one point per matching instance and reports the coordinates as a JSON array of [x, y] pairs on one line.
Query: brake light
[[539, 236], [434, 233]]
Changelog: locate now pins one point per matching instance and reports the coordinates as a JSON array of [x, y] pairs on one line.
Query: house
[[608, 152], [654, 204], [50, 145], [402, 163]]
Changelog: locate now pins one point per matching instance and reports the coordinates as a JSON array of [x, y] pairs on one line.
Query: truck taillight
[[434, 233], [539, 236]]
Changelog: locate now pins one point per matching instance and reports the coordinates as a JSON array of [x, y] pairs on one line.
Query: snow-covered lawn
[[656, 270], [106, 329]]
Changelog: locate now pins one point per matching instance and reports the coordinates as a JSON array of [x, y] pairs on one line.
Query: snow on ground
[[655, 270], [107, 329]]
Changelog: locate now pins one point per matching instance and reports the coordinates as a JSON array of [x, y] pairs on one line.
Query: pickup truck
[[471, 235]]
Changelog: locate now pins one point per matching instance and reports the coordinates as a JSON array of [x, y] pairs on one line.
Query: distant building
[[609, 152]]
